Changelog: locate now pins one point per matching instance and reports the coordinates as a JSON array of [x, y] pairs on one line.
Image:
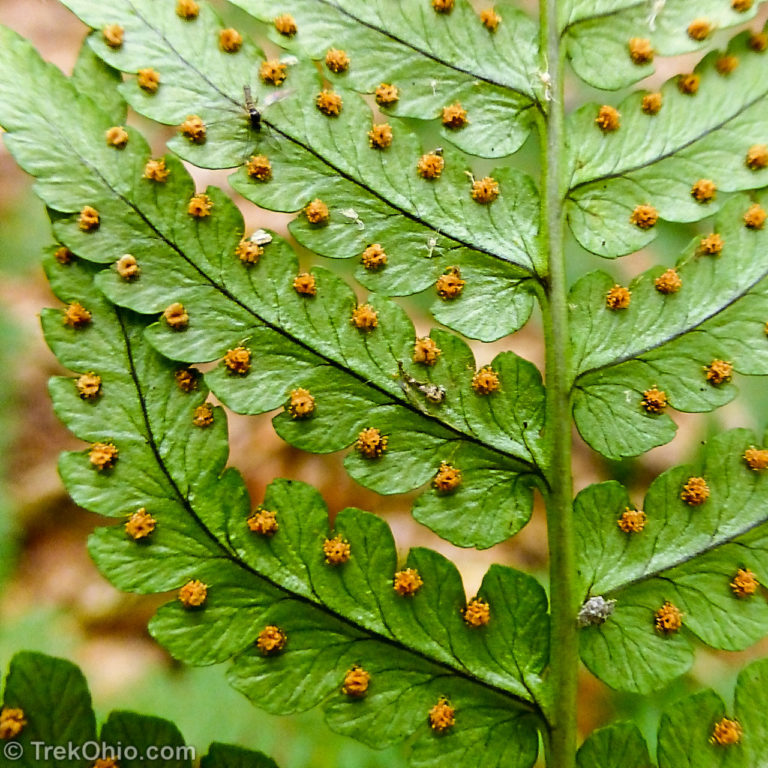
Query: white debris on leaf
[[657, 6], [261, 237], [352, 214]]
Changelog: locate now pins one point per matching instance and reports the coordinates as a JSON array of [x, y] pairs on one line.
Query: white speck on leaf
[[261, 237], [352, 214]]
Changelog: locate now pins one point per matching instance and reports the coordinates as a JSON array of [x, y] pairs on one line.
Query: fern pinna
[[48, 720], [363, 120]]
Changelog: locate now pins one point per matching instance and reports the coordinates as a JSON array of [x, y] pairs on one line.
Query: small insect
[[546, 81], [261, 237], [595, 611], [351, 213], [431, 246], [433, 392], [254, 112]]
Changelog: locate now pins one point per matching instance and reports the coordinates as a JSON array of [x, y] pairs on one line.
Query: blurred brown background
[[53, 599]]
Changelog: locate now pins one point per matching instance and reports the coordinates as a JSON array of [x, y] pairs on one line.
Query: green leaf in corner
[[620, 745], [47, 714], [600, 31], [52, 705], [689, 564], [145, 734], [679, 163], [230, 756], [701, 731]]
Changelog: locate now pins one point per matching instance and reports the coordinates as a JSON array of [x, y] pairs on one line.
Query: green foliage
[[599, 31], [309, 162], [687, 555], [616, 746], [718, 314], [656, 159], [300, 625], [301, 342], [58, 726], [334, 617], [689, 736]]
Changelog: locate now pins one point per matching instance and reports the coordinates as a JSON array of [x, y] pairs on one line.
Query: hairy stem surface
[[563, 641]]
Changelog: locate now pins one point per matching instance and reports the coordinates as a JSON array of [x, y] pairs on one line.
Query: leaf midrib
[[665, 156], [679, 334], [714, 544], [433, 57]]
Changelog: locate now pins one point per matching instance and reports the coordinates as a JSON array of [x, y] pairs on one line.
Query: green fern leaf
[[334, 617], [374, 196], [699, 545], [699, 731], [302, 342], [54, 700], [657, 160], [431, 59], [667, 342], [616, 746], [93, 78], [50, 702], [599, 31]]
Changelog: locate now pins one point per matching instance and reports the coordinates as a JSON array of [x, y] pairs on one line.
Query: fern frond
[[661, 160], [388, 200], [620, 745], [47, 715], [714, 310], [599, 31], [331, 594], [297, 341], [433, 59], [699, 543], [698, 731]]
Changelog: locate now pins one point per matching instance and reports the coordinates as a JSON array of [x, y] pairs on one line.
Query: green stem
[[561, 750]]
